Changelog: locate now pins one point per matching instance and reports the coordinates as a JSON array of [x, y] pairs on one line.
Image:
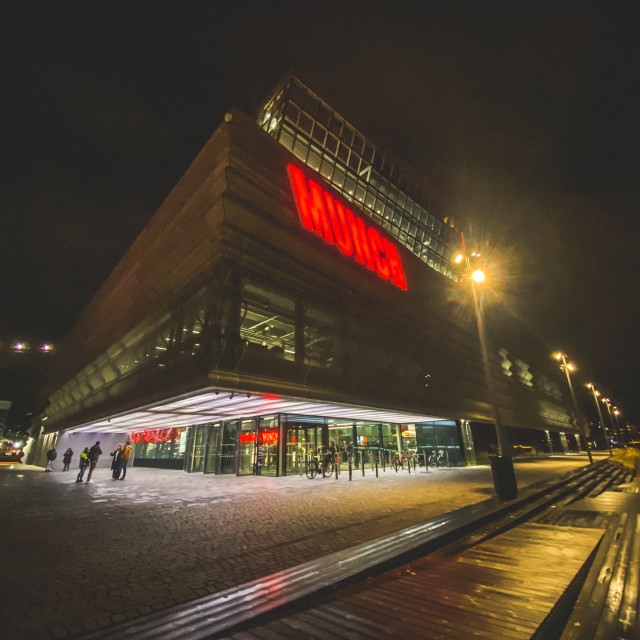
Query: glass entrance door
[[247, 448], [302, 444], [196, 446], [267, 447], [214, 444]]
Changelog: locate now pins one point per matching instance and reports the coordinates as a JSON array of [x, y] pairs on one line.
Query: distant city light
[[20, 346]]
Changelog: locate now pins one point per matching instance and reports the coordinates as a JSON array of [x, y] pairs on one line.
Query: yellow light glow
[[478, 275], [459, 258], [570, 366], [558, 355]]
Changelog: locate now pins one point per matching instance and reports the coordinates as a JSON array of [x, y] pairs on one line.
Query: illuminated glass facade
[[324, 141]]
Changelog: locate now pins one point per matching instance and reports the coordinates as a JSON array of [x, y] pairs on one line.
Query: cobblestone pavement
[[80, 556]]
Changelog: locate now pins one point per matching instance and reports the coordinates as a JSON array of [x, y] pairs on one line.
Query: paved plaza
[[76, 557]]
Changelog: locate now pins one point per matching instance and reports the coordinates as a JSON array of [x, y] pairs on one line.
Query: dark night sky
[[522, 117]]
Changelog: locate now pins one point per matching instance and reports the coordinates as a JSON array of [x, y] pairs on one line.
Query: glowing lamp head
[[20, 346], [558, 355], [459, 258], [571, 366], [478, 275], [46, 347]]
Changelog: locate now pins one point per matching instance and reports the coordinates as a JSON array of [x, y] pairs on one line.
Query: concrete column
[[563, 442], [466, 440]]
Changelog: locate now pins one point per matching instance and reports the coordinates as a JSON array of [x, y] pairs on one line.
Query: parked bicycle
[[438, 458], [324, 466]]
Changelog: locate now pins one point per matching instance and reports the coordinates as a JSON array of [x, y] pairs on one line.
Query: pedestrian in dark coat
[[52, 454], [94, 453], [66, 458], [115, 463]]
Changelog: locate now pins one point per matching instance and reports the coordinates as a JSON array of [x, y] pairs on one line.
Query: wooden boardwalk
[[502, 588], [608, 602]]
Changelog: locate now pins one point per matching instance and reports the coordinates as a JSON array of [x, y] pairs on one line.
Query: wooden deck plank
[[586, 613], [369, 626], [350, 627], [481, 593], [451, 614]]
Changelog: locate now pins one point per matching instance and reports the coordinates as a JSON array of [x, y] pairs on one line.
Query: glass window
[[349, 185], [159, 444], [369, 200], [319, 134], [292, 113], [323, 115], [306, 123], [314, 159], [286, 140], [335, 125], [343, 153], [319, 337], [300, 149], [367, 442], [326, 168], [268, 322], [331, 144], [338, 177], [347, 135], [341, 437]]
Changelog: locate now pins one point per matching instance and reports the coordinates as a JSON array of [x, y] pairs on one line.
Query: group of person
[[89, 460], [120, 460]]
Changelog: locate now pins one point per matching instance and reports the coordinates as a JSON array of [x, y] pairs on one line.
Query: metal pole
[[575, 404], [504, 478], [604, 428]]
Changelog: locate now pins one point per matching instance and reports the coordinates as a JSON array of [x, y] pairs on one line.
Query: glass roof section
[[353, 166]]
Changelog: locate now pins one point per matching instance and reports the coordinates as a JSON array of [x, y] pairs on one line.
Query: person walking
[[84, 463], [115, 463], [124, 459], [94, 454], [52, 454], [66, 459]]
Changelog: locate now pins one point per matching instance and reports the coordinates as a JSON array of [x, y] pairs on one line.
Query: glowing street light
[[568, 368], [604, 428], [504, 477], [615, 430]]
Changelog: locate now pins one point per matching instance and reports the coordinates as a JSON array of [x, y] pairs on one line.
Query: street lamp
[[504, 477], [616, 413], [567, 367], [604, 428], [615, 430]]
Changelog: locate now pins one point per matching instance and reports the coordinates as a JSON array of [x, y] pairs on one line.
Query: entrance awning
[[210, 405]]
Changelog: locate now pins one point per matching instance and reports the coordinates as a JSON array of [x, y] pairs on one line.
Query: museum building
[[293, 293]]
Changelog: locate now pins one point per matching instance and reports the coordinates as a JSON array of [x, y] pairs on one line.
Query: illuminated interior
[[210, 405]]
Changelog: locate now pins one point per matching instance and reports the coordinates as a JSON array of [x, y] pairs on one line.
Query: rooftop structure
[[305, 125]]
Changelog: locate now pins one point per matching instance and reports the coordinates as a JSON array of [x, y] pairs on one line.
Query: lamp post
[[614, 429], [604, 428], [567, 367], [504, 477], [616, 413]]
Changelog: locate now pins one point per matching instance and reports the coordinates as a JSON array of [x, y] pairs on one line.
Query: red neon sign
[[322, 214], [153, 436], [266, 437]]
